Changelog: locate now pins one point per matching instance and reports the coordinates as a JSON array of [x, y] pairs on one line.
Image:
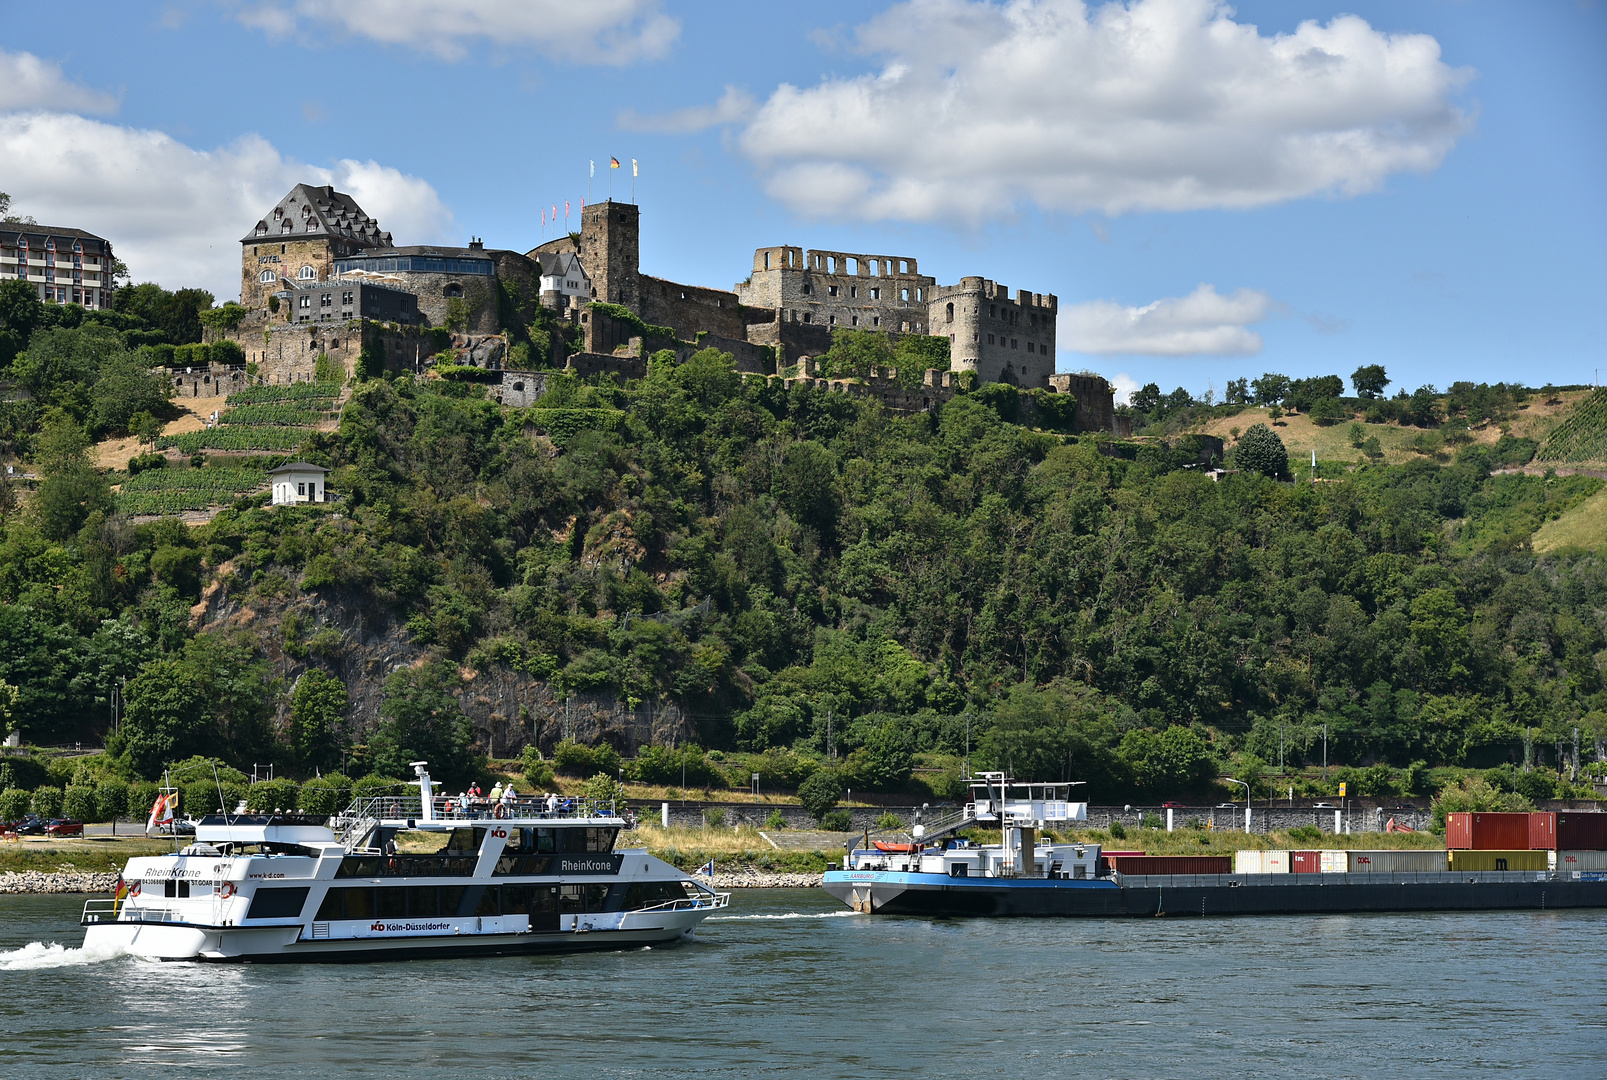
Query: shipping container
[[1568, 830], [1260, 862], [1392, 861], [1485, 831], [1578, 860], [1466, 860], [1170, 864], [1334, 862], [1305, 862]]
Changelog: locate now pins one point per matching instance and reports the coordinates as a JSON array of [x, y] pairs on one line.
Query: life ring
[[226, 890], [133, 890]]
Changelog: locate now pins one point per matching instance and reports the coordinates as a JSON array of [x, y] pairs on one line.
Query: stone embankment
[[760, 879], [33, 881]]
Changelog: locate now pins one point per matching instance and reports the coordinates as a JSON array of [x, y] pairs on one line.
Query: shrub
[[1306, 834], [374, 786], [79, 803], [1474, 793], [272, 795], [141, 797], [663, 765], [573, 759], [1152, 821], [837, 821], [889, 820], [714, 818], [947, 785], [1118, 831], [820, 793], [319, 796], [47, 802], [111, 799], [537, 772], [1260, 450], [13, 804], [776, 820], [606, 788]]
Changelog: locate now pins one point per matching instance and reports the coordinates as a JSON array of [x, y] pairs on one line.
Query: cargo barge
[[1023, 875]]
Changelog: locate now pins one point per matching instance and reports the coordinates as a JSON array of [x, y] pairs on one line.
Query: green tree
[[821, 792], [1261, 451], [1369, 381], [46, 802], [79, 803], [422, 720], [317, 705], [21, 313], [70, 487], [1271, 388], [166, 716], [14, 804]]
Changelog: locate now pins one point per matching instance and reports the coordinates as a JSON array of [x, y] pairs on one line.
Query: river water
[[789, 984]]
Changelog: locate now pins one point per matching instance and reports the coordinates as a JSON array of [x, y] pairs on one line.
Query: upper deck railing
[[358, 818]]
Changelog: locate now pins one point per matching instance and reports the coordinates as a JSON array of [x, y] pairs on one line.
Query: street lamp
[[1246, 787]]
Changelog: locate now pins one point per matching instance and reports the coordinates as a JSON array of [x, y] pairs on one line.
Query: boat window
[[484, 898], [390, 903], [463, 842], [641, 894], [178, 890], [528, 899], [577, 899], [598, 839], [545, 840], [277, 903]]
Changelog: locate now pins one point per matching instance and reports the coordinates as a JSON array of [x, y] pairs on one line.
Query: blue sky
[[1210, 191]]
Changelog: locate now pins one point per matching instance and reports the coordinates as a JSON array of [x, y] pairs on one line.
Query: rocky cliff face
[[361, 642]]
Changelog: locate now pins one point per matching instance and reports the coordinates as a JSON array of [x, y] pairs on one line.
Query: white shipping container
[[1397, 862], [1260, 862], [1578, 860], [1333, 862]]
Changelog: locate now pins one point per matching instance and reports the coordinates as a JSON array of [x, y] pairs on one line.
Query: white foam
[[36, 956], [788, 915]]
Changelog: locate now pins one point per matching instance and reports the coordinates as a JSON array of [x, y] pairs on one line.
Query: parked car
[[1171, 806], [175, 828], [1325, 806], [64, 827], [31, 825]]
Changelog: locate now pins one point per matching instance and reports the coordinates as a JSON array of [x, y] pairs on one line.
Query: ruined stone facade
[[839, 289], [1001, 339], [610, 250], [1096, 410], [456, 287]]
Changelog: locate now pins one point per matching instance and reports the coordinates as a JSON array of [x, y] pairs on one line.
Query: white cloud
[[1123, 385], [596, 31], [734, 105], [1202, 323], [981, 107], [27, 82], [175, 214]]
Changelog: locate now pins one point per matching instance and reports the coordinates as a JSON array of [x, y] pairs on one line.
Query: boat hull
[[899, 893], [291, 944]]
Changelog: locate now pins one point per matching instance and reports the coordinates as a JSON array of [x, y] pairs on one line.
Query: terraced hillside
[[1581, 436], [263, 418], [172, 491]]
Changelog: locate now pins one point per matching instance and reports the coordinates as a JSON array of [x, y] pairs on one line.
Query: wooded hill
[[1113, 616]]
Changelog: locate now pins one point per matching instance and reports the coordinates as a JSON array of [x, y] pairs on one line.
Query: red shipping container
[[1171, 864], [1568, 830], [1305, 862], [1486, 831]]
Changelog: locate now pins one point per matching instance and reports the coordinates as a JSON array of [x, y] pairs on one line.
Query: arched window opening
[[452, 290]]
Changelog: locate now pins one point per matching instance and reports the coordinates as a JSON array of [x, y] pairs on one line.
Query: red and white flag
[[161, 812]]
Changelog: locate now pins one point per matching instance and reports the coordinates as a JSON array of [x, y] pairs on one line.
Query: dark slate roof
[[557, 262], [36, 234], [331, 213], [300, 466]]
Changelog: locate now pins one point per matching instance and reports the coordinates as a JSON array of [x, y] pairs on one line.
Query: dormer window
[[287, 226], [312, 225], [262, 227]]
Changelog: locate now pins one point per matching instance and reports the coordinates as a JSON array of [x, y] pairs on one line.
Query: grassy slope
[[1534, 420], [1583, 527]]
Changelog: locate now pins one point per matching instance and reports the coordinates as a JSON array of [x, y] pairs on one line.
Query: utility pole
[[1325, 751], [968, 744]]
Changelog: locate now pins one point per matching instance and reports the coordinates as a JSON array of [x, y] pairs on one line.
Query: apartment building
[[69, 266]]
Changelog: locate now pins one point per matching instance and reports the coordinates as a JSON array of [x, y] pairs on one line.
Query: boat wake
[[37, 956], [788, 915]]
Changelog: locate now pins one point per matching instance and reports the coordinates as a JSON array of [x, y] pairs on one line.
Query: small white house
[[299, 482]]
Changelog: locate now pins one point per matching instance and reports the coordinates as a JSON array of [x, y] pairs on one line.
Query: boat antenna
[[222, 805]]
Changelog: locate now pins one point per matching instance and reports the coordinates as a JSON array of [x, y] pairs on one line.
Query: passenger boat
[[523, 876], [1027, 874]]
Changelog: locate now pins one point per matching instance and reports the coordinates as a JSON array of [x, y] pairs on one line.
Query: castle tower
[[1001, 339], [610, 250]]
